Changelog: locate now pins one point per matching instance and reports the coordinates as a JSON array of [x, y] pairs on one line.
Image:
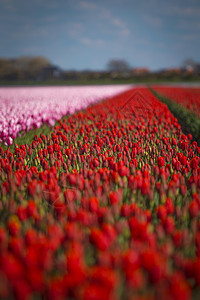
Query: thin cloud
[[190, 37], [188, 11], [7, 3], [152, 21], [91, 42], [179, 11], [87, 5], [30, 31], [104, 14], [125, 32], [50, 19], [189, 25], [31, 50], [74, 29], [117, 22]]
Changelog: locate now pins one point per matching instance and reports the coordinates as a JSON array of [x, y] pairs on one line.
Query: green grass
[[189, 121], [28, 137], [66, 82], [153, 79]]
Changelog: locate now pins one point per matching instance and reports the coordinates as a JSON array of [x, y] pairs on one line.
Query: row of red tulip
[[188, 97]]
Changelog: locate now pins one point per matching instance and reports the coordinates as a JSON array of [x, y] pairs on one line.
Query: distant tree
[[118, 65], [6, 68], [31, 66], [24, 67], [188, 63]]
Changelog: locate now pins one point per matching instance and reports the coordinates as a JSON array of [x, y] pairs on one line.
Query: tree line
[[39, 69], [22, 68]]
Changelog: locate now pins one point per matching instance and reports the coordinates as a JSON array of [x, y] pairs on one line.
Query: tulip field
[[106, 206]]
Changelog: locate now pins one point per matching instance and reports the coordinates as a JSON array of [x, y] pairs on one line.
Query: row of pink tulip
[[24, 108]]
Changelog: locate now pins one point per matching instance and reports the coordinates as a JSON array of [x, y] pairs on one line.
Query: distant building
[[198, 68], [140, 71], [189, 66], [189, 69], [172, 71]]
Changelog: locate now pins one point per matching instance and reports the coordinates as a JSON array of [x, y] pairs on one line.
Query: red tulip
[[99, 239], [14, 226], [194, 209], [161, 161], [178, 238], [93, 204]]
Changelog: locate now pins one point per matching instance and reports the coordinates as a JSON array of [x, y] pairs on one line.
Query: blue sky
[[87, 34]]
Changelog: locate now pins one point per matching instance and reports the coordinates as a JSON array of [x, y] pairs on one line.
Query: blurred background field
[[40, 71]]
